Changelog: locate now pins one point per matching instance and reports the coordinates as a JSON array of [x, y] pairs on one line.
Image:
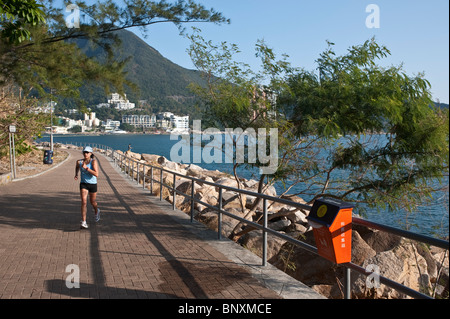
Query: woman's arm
[[77, 169]]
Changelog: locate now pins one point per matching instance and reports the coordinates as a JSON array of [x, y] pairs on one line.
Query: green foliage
[[15, 18], [46, 61], [234, 95], [14, 109], [76, 129], [36, 54], [163, 84], [237, 98], [350, 129], [386, 135]]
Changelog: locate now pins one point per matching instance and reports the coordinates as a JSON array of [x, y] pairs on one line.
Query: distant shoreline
[[102, 134]]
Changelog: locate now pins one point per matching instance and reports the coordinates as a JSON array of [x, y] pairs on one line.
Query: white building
[[119, 102], [165, 120], [111, 125], [90, 120], [69, 123], [144, 121], [179, 123], [47, 108]]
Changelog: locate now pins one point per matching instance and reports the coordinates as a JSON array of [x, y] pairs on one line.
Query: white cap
[[88, 149]]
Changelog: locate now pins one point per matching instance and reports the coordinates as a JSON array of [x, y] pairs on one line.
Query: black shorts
[[92, 188]]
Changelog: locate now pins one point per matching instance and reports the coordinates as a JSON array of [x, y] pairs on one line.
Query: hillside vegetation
[[162, 83]]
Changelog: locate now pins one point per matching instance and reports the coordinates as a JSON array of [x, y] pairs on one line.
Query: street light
[[51, 126], [12, 151]]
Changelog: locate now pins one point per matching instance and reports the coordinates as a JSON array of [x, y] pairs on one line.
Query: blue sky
[[416, 32]]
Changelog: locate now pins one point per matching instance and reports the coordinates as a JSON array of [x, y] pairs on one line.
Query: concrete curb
[[43, 172]]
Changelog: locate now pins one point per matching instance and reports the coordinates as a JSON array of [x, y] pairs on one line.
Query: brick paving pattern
[[135, 251]]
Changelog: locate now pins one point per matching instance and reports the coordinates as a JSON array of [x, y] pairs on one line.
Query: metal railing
[[132, 166]]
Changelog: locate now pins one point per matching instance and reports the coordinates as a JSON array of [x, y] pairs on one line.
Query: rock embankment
[[412, 264]]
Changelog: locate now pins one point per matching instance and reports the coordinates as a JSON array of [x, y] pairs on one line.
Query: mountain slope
[[161, 82]]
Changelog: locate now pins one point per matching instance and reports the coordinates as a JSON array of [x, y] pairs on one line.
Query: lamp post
[[12, 151], [51, 121]]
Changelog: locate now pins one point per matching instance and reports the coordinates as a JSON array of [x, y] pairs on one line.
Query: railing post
[[143, 176], [137, 173], [174, 197], [161, 185], [131, 174], [192, 201], [151, 180], [347, 283], [264, 252], [129, 167], [219, 236]]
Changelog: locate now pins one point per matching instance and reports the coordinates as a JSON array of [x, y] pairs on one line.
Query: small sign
[[12, 129]]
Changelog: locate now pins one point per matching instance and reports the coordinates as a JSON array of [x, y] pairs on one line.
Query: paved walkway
[[139, 249]]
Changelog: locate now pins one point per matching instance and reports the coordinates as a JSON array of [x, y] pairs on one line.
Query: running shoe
[[84, 225], [97, 216]]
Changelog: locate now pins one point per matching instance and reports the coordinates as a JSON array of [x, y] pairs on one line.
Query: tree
[[353, 130], [386, 140], [39, 58], [46, 59], [18, 110], [241, 101]]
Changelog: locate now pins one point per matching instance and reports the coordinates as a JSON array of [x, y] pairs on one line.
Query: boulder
[[381, 241], [307, 267], [194, 167], [294, 227], [194, 171], [161, 160], [171, 166], [214, 175], [254, 242], [133, 155], [226, 181], [150, 158], [280, 225], [184, 186], [209, 219], [250, 184], [231, 200], [402, 264], [360, 249], [229, 223]]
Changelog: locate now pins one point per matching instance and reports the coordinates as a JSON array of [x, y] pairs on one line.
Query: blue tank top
[[86, 177]]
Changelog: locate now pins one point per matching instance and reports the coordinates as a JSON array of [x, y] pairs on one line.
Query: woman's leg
[[83, 195], [93, 200]]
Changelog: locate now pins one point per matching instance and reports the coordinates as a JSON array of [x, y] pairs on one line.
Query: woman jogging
[[88, 183]]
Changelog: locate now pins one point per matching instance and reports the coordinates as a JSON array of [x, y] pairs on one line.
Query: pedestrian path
[[139, 249]]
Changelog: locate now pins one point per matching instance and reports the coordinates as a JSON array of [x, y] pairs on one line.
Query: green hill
[[161, 82]]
